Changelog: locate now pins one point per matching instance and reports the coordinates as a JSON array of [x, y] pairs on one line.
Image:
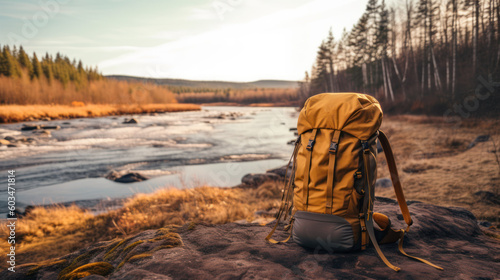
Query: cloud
[[20, 10], [205, 13]]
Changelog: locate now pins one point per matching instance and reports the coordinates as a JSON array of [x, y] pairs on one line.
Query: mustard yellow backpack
[[329, 195]]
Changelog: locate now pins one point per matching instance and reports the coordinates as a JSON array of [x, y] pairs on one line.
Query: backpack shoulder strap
[[391, 163], [366, 217]]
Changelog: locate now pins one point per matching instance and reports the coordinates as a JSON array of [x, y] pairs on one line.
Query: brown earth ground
[[20, 113], [436, 165], [434, 162]]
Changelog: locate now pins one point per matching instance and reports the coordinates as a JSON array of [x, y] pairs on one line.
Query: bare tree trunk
[[498, 37], [454, 46], [446, 45], [330, 75], [389, 84], [423, 79], [447, 74], [385, 79], [475, 35], [365, 77], [401, 79], [437, 78], [429, 77], [409, 9]]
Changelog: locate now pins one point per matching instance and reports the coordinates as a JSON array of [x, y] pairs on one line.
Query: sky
[[229, 40]]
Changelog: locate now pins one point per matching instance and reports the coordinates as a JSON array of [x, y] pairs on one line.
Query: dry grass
[[23, 91], [18, 113], [436, 166], [52, 232]]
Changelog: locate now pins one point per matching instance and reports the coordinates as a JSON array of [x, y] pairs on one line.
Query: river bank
[[214, 146], [439, 163], [24, 113]]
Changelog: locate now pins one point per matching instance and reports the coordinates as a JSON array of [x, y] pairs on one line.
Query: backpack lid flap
[[355, 113]]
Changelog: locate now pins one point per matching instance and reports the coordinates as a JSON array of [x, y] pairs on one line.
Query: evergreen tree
[[47, 67], [24, 60], [36, 66], [10, 66]]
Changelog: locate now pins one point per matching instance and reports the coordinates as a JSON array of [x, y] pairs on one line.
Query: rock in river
[[131, 121], [125, 177], [30, 127]]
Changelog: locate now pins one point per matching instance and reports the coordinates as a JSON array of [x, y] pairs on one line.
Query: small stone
[[484, 223], [131, 121], [30, 127], [479, 139], [56, 127], [383, 183]]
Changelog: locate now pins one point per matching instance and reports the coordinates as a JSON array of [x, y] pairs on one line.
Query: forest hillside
[[426, 56]]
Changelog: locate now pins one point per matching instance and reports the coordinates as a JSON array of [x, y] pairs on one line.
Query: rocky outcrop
[[449, 237]]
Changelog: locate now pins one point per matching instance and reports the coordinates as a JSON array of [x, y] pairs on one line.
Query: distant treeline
[[16, 63], [29, 80], [419, 55], [240, 96]]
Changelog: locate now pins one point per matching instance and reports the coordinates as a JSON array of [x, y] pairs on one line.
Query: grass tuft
[[99, 268]]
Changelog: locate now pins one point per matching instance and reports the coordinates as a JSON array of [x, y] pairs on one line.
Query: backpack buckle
[[365, 146], [310, 144], [333, 147]]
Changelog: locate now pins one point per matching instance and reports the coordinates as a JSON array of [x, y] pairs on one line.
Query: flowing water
[[215, 146]]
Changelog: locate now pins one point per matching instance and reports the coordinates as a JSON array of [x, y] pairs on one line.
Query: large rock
[[126, 177], [449, 237], [254, 180], [280, 171]]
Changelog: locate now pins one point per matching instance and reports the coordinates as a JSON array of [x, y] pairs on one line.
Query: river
[[215, 146]]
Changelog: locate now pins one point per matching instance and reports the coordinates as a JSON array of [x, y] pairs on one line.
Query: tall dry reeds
[[24, 91]]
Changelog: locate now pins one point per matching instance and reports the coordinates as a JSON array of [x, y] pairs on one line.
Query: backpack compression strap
[[286, 198], [305, 184], [332, 156], [391, 163]]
